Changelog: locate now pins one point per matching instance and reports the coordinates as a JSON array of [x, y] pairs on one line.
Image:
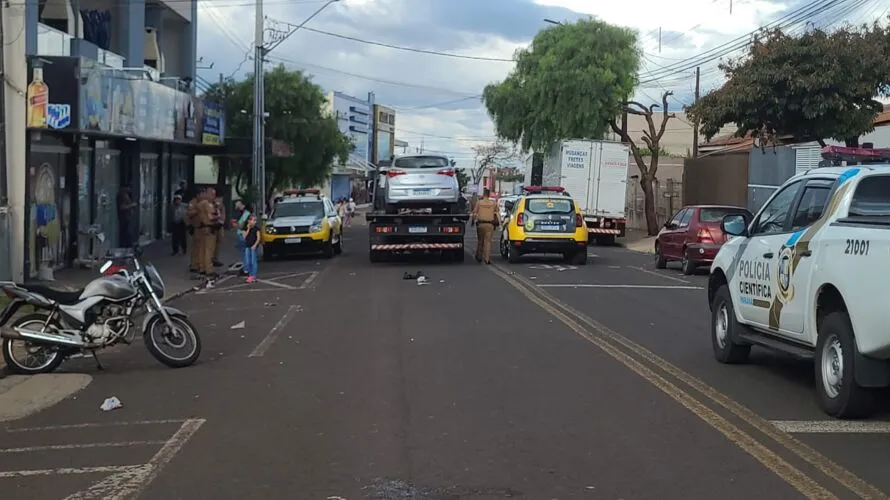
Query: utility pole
[[259, 95], [257, 171], [695, 124]]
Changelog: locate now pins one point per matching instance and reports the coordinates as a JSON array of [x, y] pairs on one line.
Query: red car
[[693, 236]]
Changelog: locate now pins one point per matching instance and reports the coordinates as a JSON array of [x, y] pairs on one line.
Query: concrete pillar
[[131, 32], [190, 57], [16, 14], [31, 16]]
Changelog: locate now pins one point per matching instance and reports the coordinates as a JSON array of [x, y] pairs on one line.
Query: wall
[[767, 169], [716, 179]]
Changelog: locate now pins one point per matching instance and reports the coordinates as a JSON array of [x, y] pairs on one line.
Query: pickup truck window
[[774, 215], [872, 197], [811, 206]]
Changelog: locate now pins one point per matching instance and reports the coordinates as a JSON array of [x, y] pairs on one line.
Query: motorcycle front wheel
[[175, 347], [25, 357]]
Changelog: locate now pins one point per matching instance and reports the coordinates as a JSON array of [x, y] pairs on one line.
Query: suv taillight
[[394, 172], [448, 171], [579, 221], [520, 218], [704, 236]]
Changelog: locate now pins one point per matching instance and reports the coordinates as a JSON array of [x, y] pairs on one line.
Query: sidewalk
[[173, 269], [638, 241]]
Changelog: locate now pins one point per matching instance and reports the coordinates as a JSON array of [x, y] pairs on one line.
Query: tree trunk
[[852, 143], [649, 205]]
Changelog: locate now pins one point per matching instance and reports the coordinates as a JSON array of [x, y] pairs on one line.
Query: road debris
[[238, 326], [111, 403]]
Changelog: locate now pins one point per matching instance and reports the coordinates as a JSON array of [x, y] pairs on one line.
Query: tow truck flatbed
[[417, 232]]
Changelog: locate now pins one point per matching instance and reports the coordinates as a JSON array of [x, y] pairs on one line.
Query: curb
[[24, 395]]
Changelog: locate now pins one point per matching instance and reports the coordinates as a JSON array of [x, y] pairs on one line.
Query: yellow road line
[[793, 476]]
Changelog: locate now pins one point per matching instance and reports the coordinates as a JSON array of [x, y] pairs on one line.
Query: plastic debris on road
[[238, 326], [111, 403], [421, 280]]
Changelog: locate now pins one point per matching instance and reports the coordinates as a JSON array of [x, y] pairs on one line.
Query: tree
[[462, 178], [570, 83], [494, 154], [652, 135], [294, 104], [809, 87]]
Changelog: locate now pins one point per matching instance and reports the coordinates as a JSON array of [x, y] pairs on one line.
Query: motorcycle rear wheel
[[52, 356], [185, 328]]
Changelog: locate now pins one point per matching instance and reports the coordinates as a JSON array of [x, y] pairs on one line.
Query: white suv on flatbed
[[810, 276]]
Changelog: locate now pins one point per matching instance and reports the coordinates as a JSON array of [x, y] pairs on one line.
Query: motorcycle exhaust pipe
[[45, 337]]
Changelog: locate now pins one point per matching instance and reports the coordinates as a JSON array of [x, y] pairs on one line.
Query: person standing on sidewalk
[[485, 216], [251, 242], [178, 227], [206, 232], [221, 217], [350, 211]]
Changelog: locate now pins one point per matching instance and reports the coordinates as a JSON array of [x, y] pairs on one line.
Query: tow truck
[[412, 231]]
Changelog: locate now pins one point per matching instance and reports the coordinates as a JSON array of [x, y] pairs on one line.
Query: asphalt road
[[534, 380]]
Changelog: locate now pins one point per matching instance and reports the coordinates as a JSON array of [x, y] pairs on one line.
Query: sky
[[436, 98]]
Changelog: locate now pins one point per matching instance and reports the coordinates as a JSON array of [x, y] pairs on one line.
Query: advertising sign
[[214, 124], [52, 93], [121, 103]]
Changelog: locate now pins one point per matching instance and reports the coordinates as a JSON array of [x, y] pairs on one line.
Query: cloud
[[436, 98]]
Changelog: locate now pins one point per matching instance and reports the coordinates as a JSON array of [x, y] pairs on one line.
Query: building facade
[[384, 134], [355, 121], [107, 107]]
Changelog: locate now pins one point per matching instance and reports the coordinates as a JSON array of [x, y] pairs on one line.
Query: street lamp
[[551, 21]]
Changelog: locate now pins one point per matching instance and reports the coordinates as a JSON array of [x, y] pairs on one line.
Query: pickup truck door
[[796, 262], [755, 281]]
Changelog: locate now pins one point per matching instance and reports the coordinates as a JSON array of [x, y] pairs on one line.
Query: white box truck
[[594, 173]]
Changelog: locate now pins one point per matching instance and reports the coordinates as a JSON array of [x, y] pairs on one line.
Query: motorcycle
[[68, 324]]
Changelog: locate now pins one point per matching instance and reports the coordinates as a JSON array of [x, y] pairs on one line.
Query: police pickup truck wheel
[[580, 258], [327, 248], [338, 247], [724, 328], [838, 393]]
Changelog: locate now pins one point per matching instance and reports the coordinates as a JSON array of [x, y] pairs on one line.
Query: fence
[[668, 199]]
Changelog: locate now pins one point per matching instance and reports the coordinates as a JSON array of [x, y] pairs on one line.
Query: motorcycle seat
[[55, 294]]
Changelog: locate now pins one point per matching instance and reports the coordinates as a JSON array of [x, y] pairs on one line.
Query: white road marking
[[116, 469], [96, 425], [131, 482], [592, 255], [656, 273], [649, 287], [273, 333], [309, 280], [832, 426], [116, 444]]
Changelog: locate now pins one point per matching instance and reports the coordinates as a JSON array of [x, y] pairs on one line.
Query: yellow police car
[[303, 221], [544, 220]]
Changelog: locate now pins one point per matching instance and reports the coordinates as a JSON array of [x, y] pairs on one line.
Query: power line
[[407, 49]]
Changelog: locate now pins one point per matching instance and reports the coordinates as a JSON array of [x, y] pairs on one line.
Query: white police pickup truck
[[810, 276]]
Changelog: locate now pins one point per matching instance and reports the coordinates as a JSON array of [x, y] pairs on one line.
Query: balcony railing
[[52, 42]]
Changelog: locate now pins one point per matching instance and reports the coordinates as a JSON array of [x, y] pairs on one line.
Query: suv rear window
[[872, 197], [421, 162], [717, 214], [549, 206]]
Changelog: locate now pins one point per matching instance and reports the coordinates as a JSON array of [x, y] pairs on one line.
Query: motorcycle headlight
[[314, 228]]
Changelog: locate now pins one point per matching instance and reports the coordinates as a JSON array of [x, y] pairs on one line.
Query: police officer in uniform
[[193, 222], [205, 232], [486, 217]]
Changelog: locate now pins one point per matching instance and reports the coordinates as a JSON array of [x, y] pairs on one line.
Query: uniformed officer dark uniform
[[486, 217]]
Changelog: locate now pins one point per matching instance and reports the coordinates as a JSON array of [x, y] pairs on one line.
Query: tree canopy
[[570, 83], [294, 104], [812, 87]]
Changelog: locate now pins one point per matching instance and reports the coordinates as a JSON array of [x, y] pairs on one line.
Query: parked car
[[693, 236]]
